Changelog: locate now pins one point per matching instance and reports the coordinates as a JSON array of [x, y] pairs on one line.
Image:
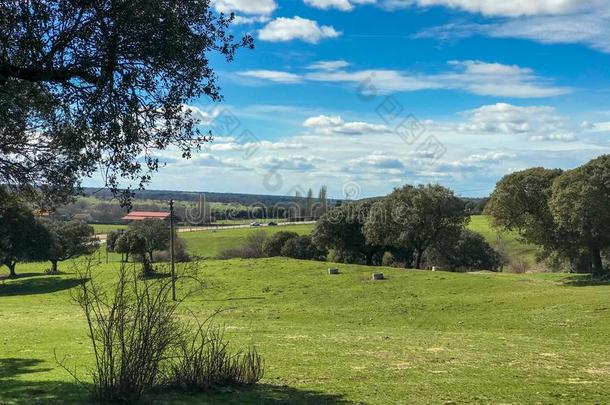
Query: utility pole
[[171, 247]]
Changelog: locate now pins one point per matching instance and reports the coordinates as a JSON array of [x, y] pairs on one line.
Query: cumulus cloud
[[537, 122], [325, 124], [284, 29], [258, 7]]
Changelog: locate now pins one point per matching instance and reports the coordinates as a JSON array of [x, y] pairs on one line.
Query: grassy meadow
[[417, 337]]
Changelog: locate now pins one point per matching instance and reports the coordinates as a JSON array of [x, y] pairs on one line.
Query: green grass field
[[510, 240], [211, 242], [105, 228], [418, 337]]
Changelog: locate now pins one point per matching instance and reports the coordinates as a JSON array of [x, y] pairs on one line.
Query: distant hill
[[193, 196]]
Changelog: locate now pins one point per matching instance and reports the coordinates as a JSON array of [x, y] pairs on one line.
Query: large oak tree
[[102, 85]]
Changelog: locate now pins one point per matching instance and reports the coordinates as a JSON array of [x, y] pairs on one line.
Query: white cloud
[[287, 29], [476, 77], [584, 22], [271, 75], [266, 145], [603, 126], [209, 160], [292, 163], [328, 65], [325, 124], [503, 8], [251, 20], [489, 157], [250, 7], [343, 5], [537, 122]]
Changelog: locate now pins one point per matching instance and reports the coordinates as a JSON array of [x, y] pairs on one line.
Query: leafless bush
[[237, 253], [203, 360], [518, 266], [131, 328], [139, 343], [181, 254]]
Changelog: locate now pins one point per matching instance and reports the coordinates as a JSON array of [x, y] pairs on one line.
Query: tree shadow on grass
[[14, 389], [585, 280], [38, 285], [257, 394]]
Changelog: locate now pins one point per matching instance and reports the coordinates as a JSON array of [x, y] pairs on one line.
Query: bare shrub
[[140, 344], [203, 361], [181, 254], [237, 253], [518, 266], [255, 243], [131, 328]]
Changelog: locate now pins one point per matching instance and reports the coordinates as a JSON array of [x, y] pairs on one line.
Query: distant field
[[209, 243], [105, 228], [516, 249], [417, 338]]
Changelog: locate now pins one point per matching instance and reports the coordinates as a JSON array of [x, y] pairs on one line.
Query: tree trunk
[[11, 269], [596, 260], [54, 267], [420, 254]]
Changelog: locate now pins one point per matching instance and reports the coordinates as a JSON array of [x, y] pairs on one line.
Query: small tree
[[131, 242], [22, 237], [274, 244], [156, 235], [464, 251], [302, 248], [69, 239]]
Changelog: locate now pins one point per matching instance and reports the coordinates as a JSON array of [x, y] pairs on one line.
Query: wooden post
[[171, 247]]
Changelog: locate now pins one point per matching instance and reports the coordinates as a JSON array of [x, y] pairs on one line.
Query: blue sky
[[366, 95]]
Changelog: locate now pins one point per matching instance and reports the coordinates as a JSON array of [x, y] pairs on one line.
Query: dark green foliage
[[103, 83], [156, 234], [415, 218], [111, 239], [69, 239], [566, 213], [520, 203], [274, 244], [22, 236], [580, 206], [465, 251], [341, 229], [302, 248]]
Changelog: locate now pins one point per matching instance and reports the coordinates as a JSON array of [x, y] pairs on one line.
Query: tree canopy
[[69, 239], [87, 86], [22, 236], [415, 217]]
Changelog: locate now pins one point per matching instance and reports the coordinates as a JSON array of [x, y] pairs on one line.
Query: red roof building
[[140, 215]]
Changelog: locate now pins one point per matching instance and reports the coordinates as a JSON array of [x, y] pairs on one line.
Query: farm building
[[141, 215]]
